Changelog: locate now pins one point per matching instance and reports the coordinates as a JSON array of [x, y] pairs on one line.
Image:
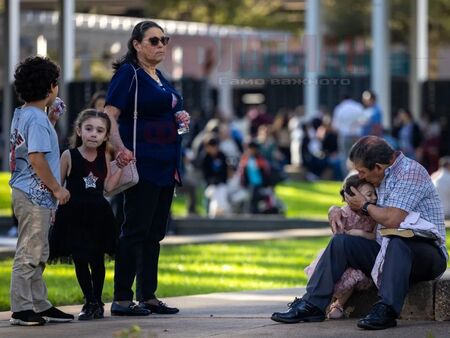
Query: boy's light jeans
[[28, 290]]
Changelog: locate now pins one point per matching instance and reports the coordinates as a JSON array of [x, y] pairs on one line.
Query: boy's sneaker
[[26, 318], [53, 315]]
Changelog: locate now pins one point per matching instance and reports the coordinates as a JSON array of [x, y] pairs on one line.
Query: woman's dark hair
[[351, 181], [75, 140], [137, 34], [370, 150], [34, 77]]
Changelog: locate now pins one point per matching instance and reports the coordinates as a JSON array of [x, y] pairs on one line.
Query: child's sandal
[[336, 311]]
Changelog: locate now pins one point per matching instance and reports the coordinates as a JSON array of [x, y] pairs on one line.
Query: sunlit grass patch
[[197, 269], [5, 194]]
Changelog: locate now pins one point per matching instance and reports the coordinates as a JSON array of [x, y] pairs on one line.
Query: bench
[[425, 301]]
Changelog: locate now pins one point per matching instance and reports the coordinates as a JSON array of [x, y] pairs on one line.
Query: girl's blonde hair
[[75, 140]]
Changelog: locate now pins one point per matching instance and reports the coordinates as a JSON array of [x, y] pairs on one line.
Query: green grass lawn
[[197, 269], [302, 199], [5, 195]]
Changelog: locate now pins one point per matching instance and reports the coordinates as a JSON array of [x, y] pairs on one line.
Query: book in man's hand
[[396, 232], [407, 233]]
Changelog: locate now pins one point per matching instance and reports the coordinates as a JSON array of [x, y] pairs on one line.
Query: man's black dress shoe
[[161, 308], [299, 311], [380, 317], [130, 310]]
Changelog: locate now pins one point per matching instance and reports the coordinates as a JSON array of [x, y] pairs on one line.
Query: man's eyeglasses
[[154, 41]]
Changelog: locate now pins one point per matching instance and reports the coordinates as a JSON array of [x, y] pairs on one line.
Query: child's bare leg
[[343, 297]]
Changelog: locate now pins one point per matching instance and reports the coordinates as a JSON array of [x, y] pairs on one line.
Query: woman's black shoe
[[130, 310], [100, 311], [161, 308], [89, 311]]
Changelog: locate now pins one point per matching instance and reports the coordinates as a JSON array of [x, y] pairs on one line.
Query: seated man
[[403, 186]]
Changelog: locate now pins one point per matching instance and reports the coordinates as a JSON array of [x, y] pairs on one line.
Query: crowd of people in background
[[240, 161]]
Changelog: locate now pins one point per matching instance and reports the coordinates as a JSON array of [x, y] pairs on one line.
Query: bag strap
[[135, 113]]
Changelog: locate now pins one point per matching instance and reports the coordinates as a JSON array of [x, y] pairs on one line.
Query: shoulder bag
[[129, 175]]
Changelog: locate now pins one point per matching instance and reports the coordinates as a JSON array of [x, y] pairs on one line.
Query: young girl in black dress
[[84, 228]]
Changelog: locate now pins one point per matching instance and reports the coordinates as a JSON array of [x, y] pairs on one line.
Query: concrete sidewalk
[[240, 314]]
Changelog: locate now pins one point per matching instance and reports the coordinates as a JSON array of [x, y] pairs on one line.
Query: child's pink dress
[[351, 278]]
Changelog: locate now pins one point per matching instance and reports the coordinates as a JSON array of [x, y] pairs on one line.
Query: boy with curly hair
[[35, 177]]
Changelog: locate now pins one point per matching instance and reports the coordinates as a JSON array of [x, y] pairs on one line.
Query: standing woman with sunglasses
[[158, 151]]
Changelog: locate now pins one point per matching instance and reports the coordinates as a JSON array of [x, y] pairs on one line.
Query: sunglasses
[[154, 41]]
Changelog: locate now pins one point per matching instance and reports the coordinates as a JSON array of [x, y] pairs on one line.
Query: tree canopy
[[346, 19], [269, 14], [343, 19]]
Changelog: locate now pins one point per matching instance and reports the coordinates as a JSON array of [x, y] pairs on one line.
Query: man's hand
[[335, 219], [62, 195], [357, 201]]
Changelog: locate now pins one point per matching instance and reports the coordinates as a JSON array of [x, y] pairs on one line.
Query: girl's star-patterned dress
[[85, 225]]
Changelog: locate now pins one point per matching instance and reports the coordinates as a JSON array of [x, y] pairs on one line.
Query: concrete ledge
[[420, 302], [294, 172], [425, 301], [203, 225], [7, 252], [5, 223], [442, 298]]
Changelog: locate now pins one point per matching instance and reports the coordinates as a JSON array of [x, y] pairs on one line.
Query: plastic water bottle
[[57, 108], [182, 127]]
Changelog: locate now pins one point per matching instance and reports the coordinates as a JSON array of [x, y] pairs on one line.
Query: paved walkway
[[240, 314]]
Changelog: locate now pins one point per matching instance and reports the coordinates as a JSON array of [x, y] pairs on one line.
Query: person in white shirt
[[441, 180], [348, 120]]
